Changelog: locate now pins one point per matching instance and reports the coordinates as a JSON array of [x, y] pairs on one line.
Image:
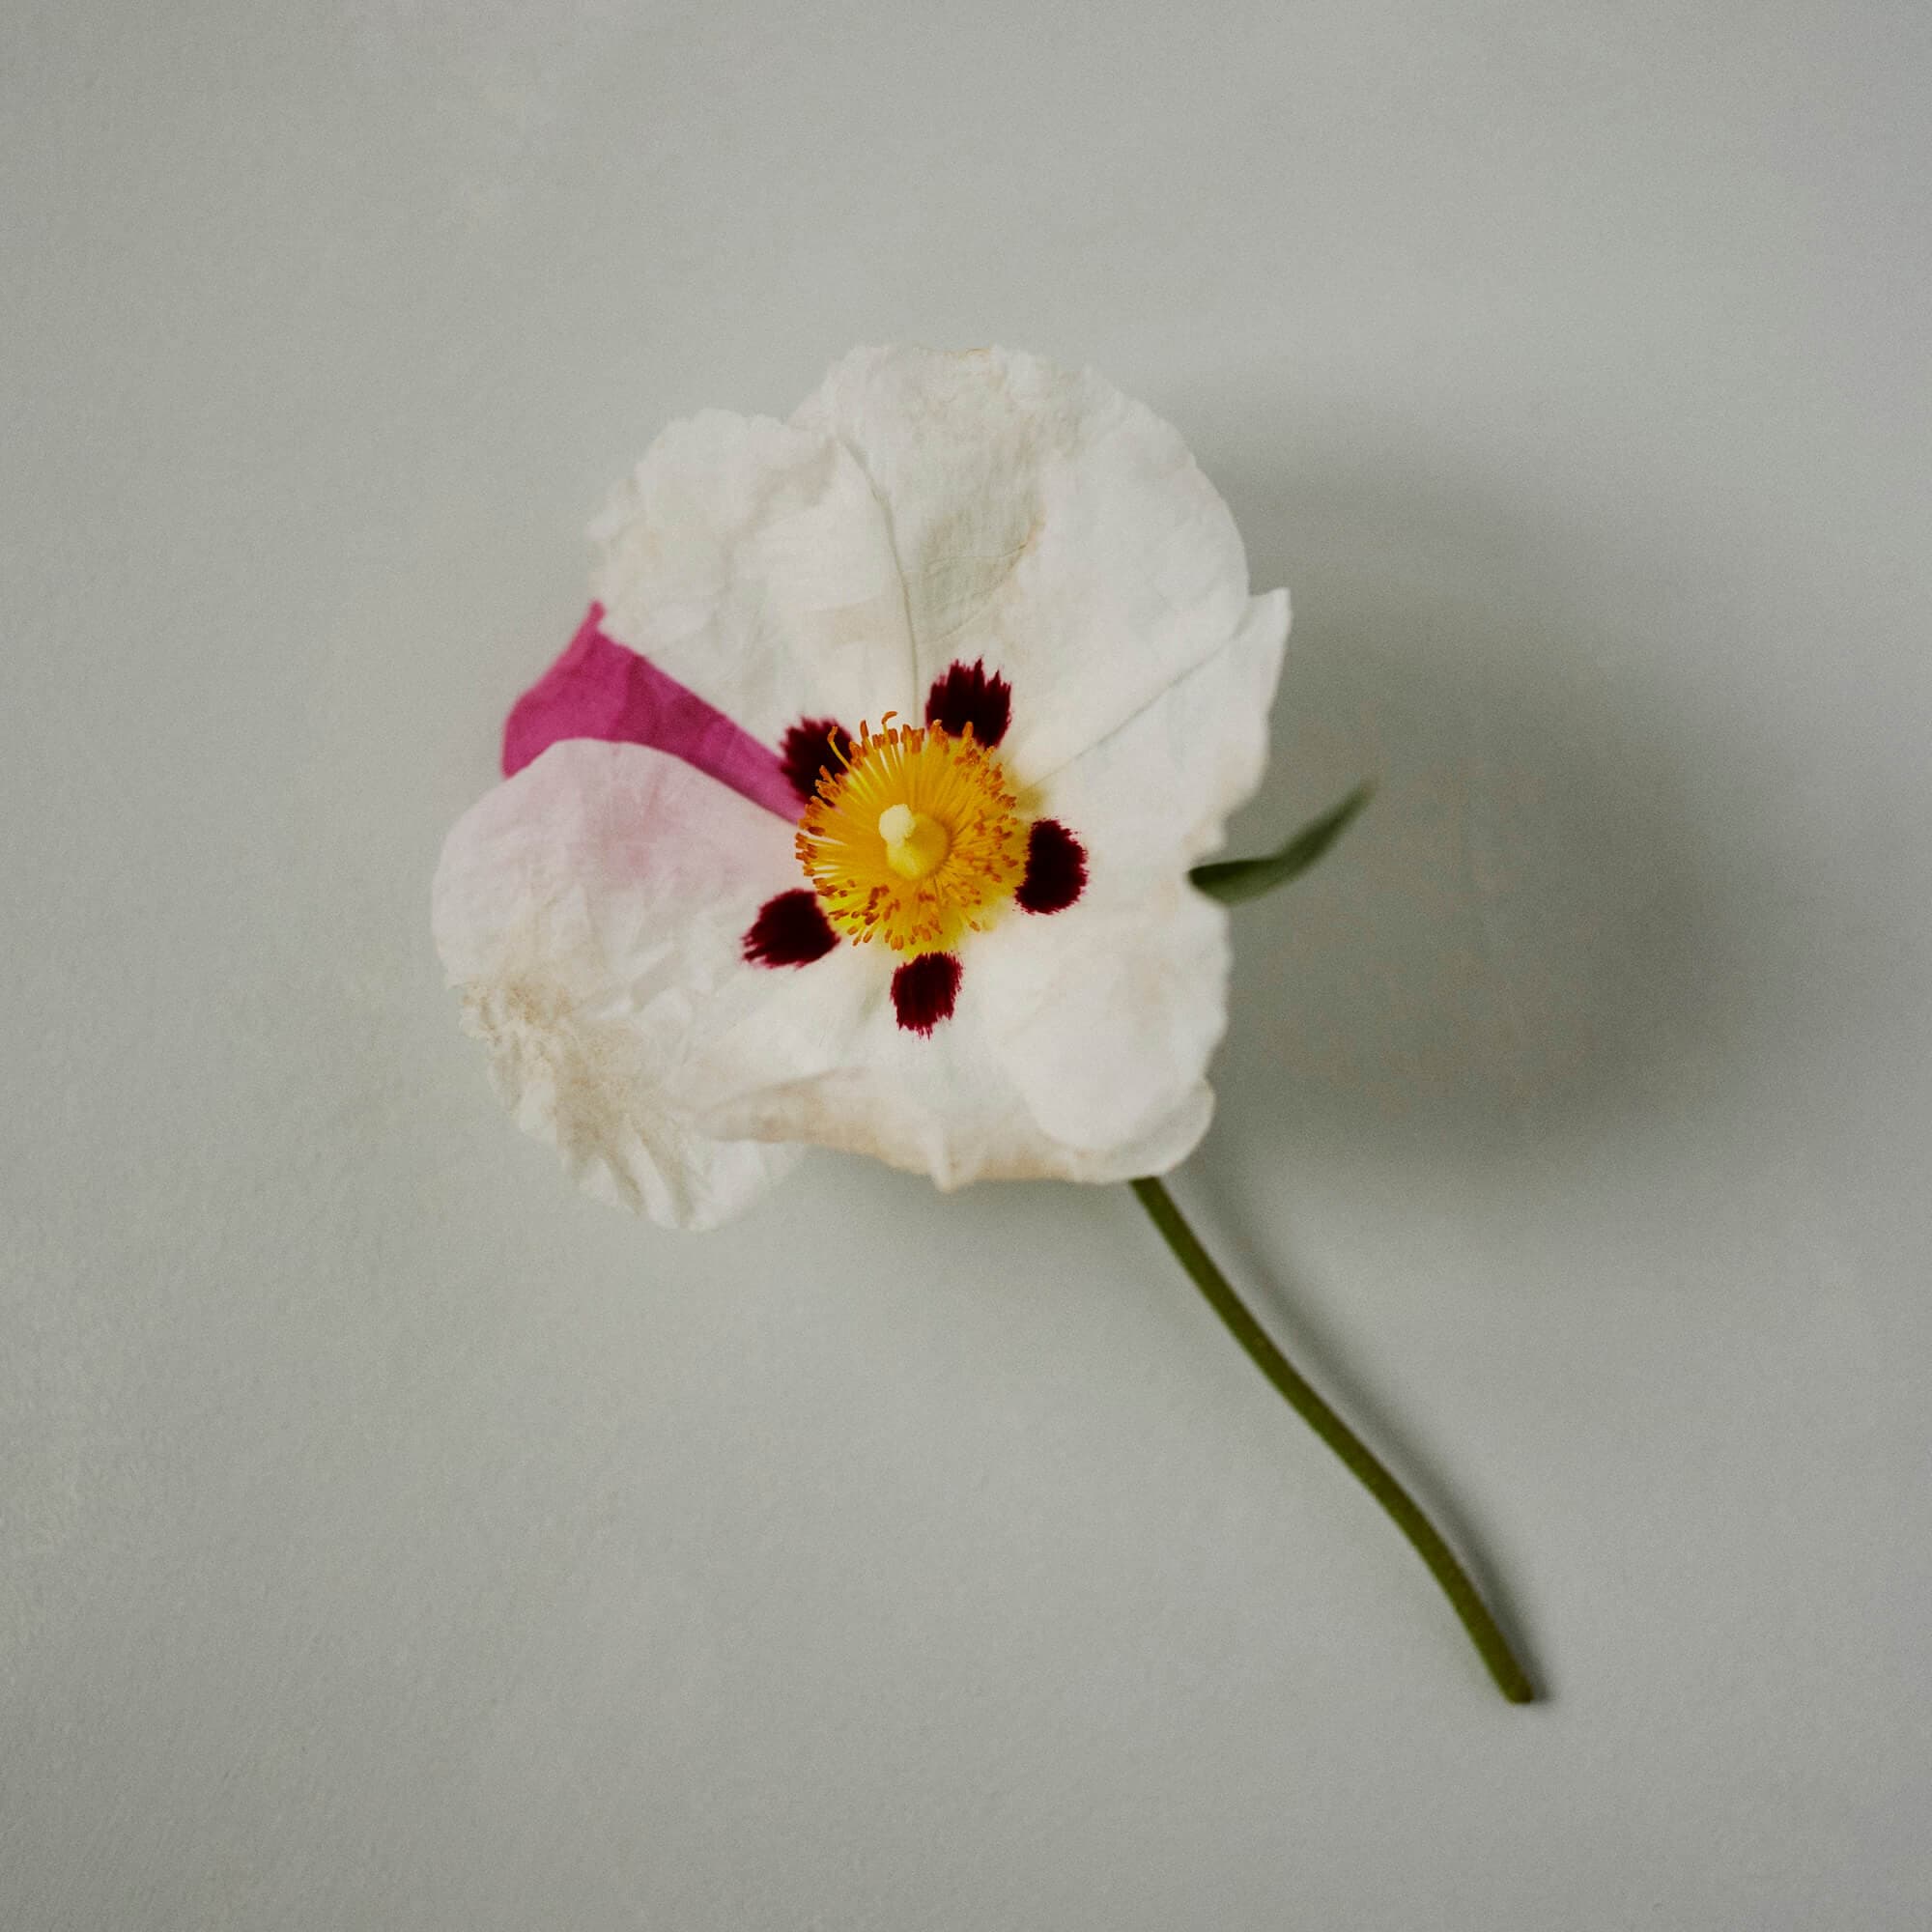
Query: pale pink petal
[[591, 910]]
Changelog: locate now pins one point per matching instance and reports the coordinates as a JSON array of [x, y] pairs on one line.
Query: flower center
[[915, 842]]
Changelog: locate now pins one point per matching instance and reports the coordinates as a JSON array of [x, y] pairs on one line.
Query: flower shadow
[[1518, 956], [1517, 945]]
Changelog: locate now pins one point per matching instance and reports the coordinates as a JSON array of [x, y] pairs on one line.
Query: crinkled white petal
[[1104, 1016], [591, 910], [1045, 522], [924, 507], [752, 562], [1154, 795], [825, 1060]]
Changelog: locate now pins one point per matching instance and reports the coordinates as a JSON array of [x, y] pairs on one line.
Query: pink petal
[[600, 688]]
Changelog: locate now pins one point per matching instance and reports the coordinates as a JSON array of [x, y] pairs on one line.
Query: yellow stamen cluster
[[918, 841]]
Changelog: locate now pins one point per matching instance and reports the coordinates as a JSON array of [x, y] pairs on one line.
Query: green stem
[[1366, 1468]]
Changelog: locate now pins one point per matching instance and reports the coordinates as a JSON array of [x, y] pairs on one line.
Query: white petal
[[1108, 1013], [751, 561], [826, 1061], [1077, 1050], [1043, 520], [1154, 795], [1110, 1010], [592, 910]]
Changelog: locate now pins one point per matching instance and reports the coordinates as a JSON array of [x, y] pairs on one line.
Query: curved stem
[[1365, 1466]]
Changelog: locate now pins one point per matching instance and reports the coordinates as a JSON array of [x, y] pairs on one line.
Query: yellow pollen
[[917, 841]]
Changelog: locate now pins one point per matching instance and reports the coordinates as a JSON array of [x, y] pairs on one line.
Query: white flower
[[924, 703]]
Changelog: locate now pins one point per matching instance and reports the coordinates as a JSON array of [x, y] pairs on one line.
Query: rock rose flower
[[865, 809], [860, 811]]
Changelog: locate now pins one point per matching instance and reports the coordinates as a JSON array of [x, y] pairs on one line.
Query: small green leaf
[[1233, 881]]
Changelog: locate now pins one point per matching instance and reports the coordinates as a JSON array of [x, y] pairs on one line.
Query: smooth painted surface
[[393, 1539]]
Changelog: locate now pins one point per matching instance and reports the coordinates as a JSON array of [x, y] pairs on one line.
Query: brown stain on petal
[[560, 1077]]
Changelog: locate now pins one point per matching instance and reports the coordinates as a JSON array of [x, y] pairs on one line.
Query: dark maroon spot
[[1056, 874], [923, 991], [789, 930], [964, 695], [812, 747]]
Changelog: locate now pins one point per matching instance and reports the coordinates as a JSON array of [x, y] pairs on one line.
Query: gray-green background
[[393, 1539]]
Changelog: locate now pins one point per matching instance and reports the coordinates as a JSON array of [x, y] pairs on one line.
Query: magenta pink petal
[[602, 689]]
